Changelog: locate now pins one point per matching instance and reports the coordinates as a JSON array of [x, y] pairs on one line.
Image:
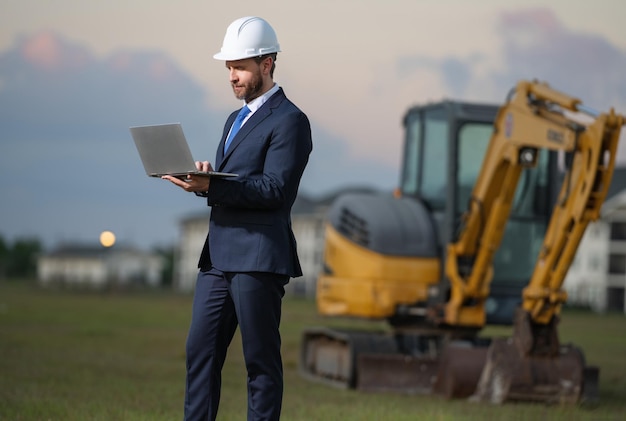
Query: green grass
[[110, 356]]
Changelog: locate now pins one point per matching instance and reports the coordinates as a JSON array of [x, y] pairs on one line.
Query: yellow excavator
[[492, 204]]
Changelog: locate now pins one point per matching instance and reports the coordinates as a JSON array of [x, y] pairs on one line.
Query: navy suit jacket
[[250, 224]]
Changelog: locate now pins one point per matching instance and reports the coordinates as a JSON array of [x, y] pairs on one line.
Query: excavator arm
[[535, 117], [579, 203], [532, 365]]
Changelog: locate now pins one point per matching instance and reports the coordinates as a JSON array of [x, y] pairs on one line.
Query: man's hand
[[193, 183]]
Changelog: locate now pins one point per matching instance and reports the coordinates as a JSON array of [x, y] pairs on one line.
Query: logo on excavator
[[508, 125], [555, 136]]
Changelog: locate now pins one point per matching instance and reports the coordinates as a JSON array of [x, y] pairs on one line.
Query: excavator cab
[[445, 144], [384, 255]]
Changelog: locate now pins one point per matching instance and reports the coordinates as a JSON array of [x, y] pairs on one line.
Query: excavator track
[[330, 356], [494, 371], [381, 362]]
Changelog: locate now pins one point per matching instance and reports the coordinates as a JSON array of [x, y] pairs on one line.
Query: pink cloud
[[161, 70], [121, 61], [46, 50], [541, 19]]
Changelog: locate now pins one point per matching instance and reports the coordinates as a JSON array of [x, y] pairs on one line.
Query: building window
[[594, 262], [617, 264], [618, 231], [615, 299]]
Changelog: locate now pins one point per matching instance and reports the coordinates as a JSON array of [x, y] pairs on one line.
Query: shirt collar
[[256, 103]]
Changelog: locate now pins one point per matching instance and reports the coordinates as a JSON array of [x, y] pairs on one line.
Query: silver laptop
[[164, 151]]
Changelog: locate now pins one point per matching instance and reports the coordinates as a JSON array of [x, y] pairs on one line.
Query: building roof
[[305, 204], [77, 250], [616, 196], [195, 216], [614, 204], [618, 182], [91, 251]]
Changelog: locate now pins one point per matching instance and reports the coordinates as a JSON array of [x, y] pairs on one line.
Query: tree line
[[18, 259]]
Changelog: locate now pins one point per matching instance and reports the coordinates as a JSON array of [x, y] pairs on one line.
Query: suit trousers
[[221, 302]]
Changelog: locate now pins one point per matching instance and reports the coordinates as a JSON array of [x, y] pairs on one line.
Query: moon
[[107, 238]]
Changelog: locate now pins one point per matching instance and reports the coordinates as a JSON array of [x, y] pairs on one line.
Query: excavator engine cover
[[386, 225]]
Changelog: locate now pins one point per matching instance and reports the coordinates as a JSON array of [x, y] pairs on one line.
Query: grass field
[[88, 356]]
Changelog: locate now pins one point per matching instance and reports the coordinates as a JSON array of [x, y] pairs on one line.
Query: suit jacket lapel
[[219, 155], [254, 120]]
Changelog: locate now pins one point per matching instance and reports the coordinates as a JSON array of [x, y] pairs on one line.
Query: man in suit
[[250, 251]]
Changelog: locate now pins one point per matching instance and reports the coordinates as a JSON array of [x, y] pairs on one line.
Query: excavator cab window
[[426, 156], [473, 141], [412, 156], [445, 146], [514, 261], [436, 155]]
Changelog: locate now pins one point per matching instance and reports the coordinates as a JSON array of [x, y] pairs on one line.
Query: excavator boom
[[536, 118], [579, 203], [534, 365]]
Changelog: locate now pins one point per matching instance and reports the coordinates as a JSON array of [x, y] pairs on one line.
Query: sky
[[75, 75]]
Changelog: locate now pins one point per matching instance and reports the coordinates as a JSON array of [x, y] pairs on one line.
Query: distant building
[[586, 277], [307, 220], [614, 213], [307, 215], [98, 267], [193, 231], [597, 277]]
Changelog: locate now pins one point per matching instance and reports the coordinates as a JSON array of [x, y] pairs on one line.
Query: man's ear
[[267, 65]]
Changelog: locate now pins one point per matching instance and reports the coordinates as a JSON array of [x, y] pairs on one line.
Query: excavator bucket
[[459, 370], [511, 376], [533, 366]]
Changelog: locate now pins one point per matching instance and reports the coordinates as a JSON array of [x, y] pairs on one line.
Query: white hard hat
[[248, 37]]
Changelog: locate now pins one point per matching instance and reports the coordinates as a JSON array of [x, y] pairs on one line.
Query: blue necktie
[[236, 125]]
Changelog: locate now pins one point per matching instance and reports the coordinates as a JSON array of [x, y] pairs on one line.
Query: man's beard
[[252, 89]]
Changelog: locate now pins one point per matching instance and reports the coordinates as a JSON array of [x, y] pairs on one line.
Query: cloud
[[534, 45], [46, 52], [537, 45], [332, 166], [55, 89], [68, 167], [455, 73]]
